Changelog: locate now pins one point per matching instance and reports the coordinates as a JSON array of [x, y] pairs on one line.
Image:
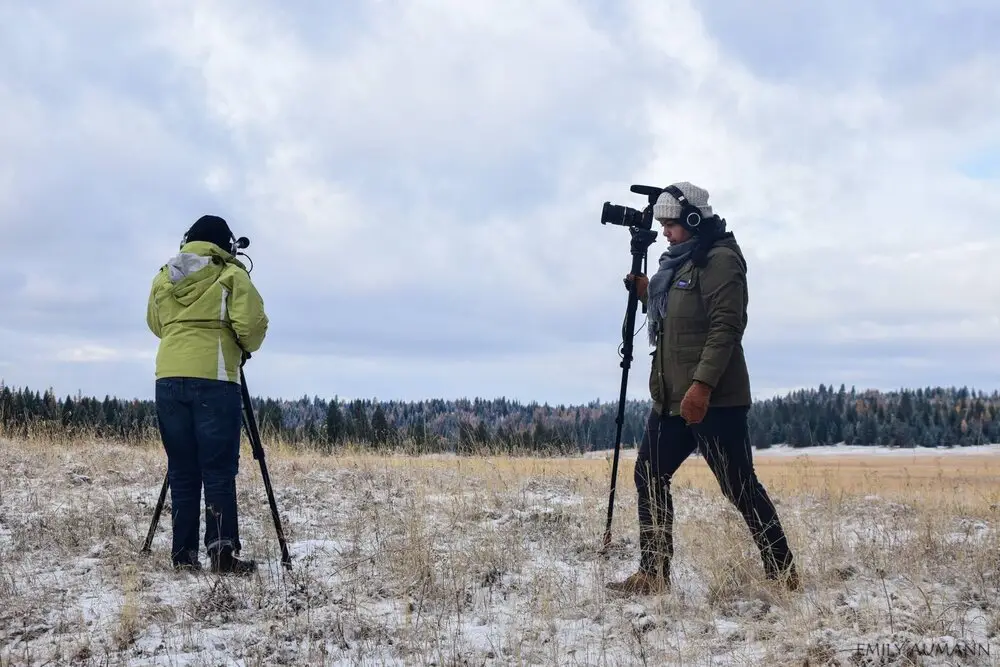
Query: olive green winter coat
[[206, 312], [702, 333]]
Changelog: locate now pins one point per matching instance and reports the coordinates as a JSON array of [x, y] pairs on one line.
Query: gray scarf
[[659, 284]]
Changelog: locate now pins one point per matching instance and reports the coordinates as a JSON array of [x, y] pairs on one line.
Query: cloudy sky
[[422, 183]]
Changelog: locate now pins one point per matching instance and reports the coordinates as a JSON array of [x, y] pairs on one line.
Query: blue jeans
[[199, 422]]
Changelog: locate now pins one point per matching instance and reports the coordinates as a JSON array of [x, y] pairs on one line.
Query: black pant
[[723, 439], [199, 422]]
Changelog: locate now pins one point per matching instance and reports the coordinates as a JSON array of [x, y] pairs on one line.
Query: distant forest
[[931, 417]]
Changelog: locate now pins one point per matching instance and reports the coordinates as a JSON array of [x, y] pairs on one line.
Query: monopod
[[640, 225]]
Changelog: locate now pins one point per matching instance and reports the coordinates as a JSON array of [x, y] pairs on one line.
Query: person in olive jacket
[[207, 314], [696, 315]]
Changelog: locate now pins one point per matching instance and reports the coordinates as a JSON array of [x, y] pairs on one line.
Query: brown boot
[[791, 579], [640, 583], [788, 578]]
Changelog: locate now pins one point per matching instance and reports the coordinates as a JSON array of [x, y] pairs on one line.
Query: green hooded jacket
[[702, 333], [206, 312]]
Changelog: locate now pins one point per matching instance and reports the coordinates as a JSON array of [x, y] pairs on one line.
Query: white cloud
[[88, 353], [412, 171]]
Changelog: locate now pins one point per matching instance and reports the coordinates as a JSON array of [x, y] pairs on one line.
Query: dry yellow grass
[[968, 480], [494, 560], [976, 475]]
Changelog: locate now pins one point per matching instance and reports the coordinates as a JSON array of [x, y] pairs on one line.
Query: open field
[[482, 561]]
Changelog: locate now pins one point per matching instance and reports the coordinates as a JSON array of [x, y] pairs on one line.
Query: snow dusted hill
[[845, 450], [856, 450]]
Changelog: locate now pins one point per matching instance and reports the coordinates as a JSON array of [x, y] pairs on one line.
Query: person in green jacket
[[696, 314], [207, 314]]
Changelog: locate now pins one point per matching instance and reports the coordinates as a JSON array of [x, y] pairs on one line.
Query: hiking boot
[[788, 578], [186, 561], [640, 583], [224, 562], [791, 579], [187, 566]]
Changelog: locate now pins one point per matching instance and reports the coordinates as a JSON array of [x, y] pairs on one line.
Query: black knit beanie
[[213, 229]]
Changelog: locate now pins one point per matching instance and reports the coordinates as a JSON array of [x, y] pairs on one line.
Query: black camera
[[630, 217], [620, 215]]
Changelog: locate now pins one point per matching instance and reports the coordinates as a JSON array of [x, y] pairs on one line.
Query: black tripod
[[250, 424], [640, 224]]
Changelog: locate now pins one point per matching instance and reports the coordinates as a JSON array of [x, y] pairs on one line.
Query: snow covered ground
[[858, 450], [844, 450], [495, 561]]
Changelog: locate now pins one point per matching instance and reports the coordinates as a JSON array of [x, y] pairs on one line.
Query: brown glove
[[694, 405], [641, 284]]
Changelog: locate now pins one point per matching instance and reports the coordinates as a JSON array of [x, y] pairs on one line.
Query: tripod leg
[[250, 423], [156, 516]]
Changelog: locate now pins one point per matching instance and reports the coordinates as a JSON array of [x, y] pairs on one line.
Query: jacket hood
[[195, 268], [729, 241]]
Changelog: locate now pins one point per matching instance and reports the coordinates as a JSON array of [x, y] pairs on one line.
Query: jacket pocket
[[680, 370], [655, 381], [686, 311]]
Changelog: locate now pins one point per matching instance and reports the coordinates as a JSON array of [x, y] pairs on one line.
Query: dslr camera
[[629, 217]]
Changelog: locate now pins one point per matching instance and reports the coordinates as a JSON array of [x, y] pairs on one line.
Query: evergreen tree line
[[929, 417]]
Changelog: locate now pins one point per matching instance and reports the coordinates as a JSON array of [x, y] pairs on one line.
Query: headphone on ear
[[691, 216], [233, 243]]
